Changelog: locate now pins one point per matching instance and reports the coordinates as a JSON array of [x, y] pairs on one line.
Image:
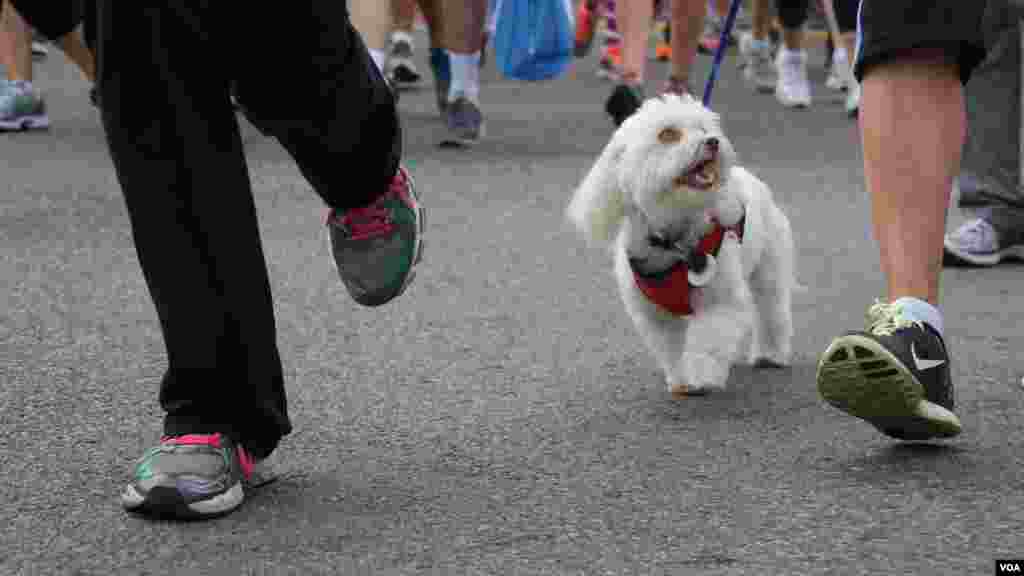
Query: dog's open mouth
[[702, 173]]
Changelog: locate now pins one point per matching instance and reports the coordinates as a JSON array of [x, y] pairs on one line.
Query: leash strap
[[723, 45]]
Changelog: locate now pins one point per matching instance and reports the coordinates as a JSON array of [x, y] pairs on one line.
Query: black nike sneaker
[[895, 375]]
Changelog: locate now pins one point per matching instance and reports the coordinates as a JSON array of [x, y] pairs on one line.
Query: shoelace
[[245, 461], [375, 219], [884, 318]]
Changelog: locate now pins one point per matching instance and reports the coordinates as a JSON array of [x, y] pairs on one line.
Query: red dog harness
[[671, 289]]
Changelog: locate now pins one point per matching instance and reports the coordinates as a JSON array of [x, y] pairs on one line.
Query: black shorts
[[888, 27]]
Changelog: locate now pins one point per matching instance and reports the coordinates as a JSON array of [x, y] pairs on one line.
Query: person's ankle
[[631, 78], [920, 310]]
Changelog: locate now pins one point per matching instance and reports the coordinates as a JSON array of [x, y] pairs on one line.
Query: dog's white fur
[[635, 187]]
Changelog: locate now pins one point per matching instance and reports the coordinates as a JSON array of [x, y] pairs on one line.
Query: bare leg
[[74, 48], [15, 44], [634, 21], [913, 126], [793, 38], [463, 22], [687, 25], [435, 25], [374, 25], [404, 14], [761, 18]]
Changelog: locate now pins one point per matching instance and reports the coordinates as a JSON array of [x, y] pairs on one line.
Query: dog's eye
[[670, 135]]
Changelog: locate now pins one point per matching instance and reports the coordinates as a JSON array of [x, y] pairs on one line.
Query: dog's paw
[[703, 371]]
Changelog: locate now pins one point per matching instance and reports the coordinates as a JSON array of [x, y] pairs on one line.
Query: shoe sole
[[452, 141], [165, 502], [954, 256], [870, 383], [25, 123], [404, 78], [795, 104]]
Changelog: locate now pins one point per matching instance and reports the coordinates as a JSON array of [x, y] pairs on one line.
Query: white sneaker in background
[[793, 89]]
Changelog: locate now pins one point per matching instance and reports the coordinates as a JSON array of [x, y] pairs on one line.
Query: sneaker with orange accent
[[610, 65], [585, 26], [663, 47], [377, 247], [189, 477]]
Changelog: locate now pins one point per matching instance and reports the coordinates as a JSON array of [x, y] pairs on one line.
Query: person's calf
[[912, 129]]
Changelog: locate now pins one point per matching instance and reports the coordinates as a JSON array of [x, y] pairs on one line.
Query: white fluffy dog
[[704, 258]]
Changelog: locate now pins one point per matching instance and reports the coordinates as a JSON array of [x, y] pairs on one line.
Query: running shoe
[[400, 68], [465, 123], [977, 243], [895, 375], [21, 107], [376, 248], [189, 477]]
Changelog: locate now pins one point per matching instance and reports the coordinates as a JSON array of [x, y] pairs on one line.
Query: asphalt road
[[502, 417]]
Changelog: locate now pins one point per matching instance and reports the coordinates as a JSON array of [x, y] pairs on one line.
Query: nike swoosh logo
[[922, 363]]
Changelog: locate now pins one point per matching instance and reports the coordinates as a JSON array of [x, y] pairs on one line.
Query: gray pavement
[[502, 417]]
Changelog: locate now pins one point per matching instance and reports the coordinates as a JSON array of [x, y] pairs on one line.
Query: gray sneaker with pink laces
[[189, 477], [377, 247]]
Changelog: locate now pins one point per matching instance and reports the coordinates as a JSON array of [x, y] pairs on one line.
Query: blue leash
[[723, 45]]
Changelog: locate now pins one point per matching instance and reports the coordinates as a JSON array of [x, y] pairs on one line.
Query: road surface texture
[[501, 417]]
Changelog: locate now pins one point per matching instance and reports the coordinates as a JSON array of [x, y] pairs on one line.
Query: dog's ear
[[599, 205]]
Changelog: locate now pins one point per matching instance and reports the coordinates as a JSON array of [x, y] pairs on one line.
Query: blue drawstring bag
[[533, 38]]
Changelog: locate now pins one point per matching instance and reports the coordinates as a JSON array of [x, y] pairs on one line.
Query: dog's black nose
[[711, 144]]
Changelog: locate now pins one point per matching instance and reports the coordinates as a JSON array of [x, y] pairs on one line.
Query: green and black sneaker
[[895, 375], [377, 247]]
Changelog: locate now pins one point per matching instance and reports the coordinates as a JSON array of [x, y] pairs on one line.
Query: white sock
[[465, 76], [921, 311], [840, 55], [378, 58], [787, 54], [758, 45]]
